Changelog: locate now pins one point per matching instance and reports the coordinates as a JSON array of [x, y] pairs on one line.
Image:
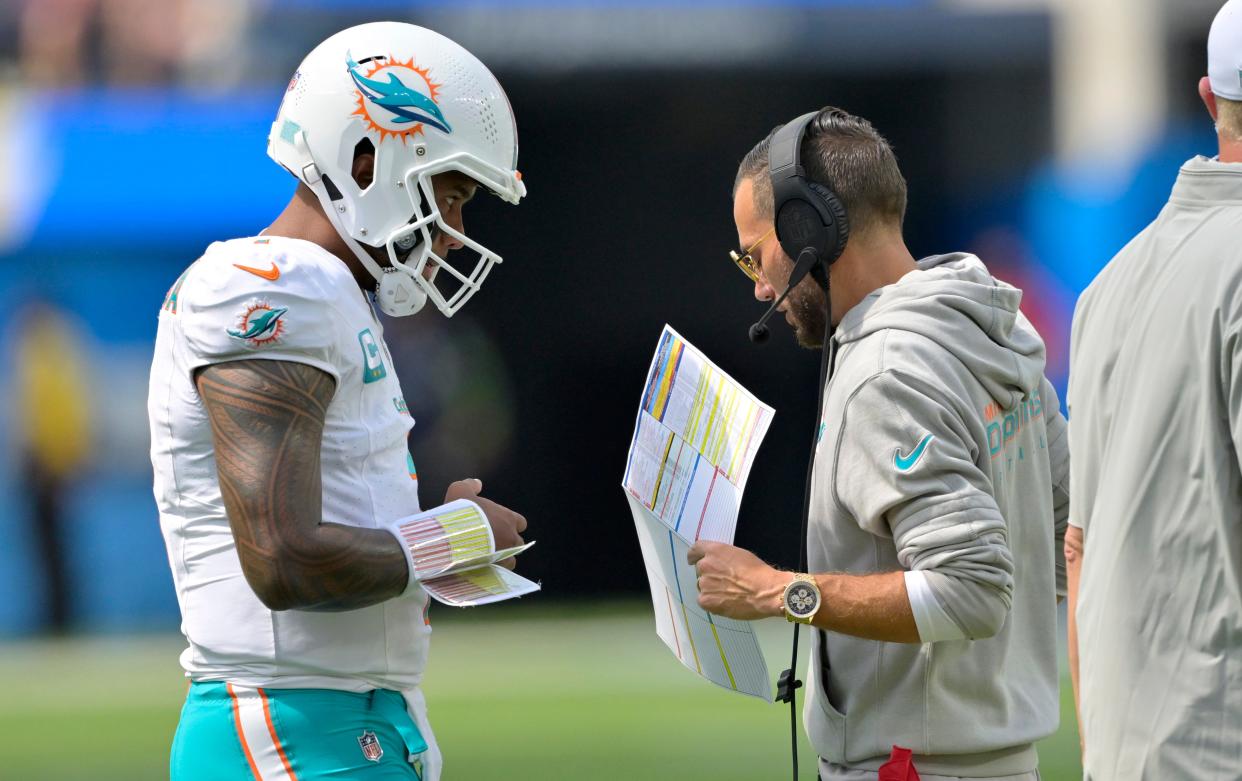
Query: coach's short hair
[[845, 153], [1229, 118]]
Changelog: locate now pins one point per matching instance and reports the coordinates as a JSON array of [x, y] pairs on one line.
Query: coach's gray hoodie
[[942, 449]]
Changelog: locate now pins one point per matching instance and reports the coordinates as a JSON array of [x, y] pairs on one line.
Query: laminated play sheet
[[695, 440]]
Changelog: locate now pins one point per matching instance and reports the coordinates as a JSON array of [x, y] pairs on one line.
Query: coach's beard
[[807, 310]]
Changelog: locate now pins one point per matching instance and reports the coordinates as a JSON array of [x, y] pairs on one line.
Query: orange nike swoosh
[[271, 275]]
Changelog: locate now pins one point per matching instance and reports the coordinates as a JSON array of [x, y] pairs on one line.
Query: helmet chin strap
[[397, 294]]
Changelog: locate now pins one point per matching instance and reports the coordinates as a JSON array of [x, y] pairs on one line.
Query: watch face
[[801, 600]]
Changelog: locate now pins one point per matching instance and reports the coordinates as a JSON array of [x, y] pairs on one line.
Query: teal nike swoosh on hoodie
[[944, 453]]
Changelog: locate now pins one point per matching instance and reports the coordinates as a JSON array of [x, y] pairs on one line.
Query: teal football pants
[[229, 732]]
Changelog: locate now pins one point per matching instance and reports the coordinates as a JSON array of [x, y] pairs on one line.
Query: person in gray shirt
[[1155, 544], [939, 495]]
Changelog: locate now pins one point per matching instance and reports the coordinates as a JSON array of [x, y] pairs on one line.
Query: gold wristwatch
[[801, 599]]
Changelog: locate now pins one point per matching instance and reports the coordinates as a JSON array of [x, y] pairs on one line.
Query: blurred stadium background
[[1038, 133]]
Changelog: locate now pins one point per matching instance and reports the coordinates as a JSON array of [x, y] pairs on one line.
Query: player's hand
[[735, 583], [507, 525]]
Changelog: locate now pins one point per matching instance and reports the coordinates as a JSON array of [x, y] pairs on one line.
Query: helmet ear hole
[[363, 168]]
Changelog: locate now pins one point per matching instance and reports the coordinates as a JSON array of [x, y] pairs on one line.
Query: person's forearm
[[735, 583], [336, 567], [267, 420], [874, 607], [1073, 568], [294, 565]]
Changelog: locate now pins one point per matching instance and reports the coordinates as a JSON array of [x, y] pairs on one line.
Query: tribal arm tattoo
[[267, 420]]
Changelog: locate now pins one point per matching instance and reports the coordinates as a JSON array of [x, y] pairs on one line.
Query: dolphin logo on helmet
[[405, 103]]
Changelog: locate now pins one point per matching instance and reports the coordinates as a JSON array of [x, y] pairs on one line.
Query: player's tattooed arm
[[267, 420]]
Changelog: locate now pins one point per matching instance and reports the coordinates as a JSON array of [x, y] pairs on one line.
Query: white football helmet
[[427, 106]]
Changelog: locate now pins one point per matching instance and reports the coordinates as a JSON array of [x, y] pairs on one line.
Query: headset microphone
[[806, 261]]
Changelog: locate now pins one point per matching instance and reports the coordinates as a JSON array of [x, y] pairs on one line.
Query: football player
[[279, 428]]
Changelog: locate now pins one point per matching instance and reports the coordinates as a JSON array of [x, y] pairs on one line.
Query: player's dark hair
[[847, 154]]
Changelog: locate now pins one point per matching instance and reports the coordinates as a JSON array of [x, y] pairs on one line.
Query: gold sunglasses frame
[[747, 263]]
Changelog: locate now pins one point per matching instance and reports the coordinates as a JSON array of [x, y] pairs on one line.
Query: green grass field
[[519, 692]]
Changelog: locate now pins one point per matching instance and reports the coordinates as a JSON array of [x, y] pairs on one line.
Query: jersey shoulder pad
[[273, 298]]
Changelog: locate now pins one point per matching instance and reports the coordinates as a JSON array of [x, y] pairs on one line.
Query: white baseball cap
[[1225, 52]]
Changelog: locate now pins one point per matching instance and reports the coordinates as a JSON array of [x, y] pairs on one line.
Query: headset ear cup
[[800, 225], [838, 227]]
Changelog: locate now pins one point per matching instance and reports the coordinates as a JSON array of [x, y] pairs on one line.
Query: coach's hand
[[735, 583], [507, 526]]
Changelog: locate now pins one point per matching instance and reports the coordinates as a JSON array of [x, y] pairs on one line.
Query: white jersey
[[289, 300]]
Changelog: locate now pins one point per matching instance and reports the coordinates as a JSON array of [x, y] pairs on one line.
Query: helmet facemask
[[411, 248]]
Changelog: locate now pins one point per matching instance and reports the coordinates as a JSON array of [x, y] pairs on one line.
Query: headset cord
[[788, 684]]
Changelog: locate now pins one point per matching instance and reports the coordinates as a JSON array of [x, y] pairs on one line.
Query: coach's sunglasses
[[747, 263]]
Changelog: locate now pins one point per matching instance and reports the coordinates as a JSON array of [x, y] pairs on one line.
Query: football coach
[[1155, 545], [939, 493]]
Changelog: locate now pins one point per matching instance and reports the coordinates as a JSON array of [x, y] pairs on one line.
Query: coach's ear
[[1208, 97]]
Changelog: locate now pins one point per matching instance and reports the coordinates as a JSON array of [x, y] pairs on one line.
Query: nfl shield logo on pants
[[371, 748]]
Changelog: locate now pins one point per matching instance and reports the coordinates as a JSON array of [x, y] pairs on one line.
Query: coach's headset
[[810, 220], [812, 228]]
